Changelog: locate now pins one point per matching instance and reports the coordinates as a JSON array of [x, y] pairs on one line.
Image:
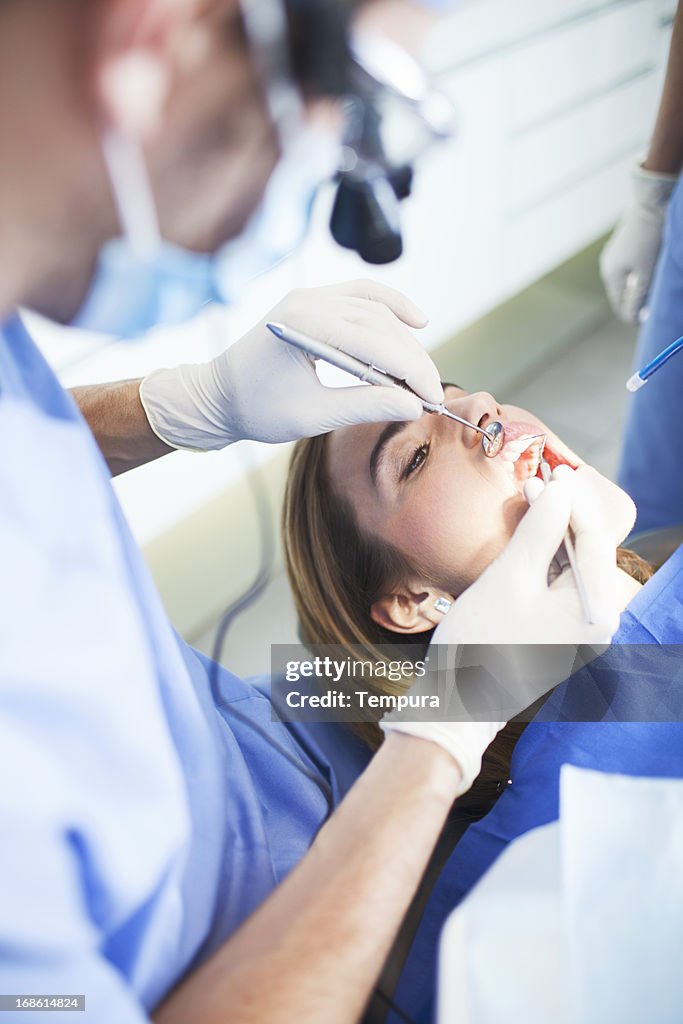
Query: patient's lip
[[516, 429], [525, 443], [519, 437]]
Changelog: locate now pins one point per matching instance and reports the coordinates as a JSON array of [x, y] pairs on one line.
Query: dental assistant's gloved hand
[[490, 658], [264, 390], [628, 260]]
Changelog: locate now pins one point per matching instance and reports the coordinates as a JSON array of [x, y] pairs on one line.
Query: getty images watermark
[[346, 683], [553, 682]]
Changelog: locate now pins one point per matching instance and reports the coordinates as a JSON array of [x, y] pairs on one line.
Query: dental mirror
[[493, 436], [493, 440]]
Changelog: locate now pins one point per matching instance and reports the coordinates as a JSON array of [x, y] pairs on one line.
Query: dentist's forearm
[[313, 951], [665, 153], [120, 426]]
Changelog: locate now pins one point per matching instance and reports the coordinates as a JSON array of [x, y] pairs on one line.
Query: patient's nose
[[479, 408]]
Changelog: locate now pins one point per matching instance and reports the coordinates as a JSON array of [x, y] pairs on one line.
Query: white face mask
[[142, 281]]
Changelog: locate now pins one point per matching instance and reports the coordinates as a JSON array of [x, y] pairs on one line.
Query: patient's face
[[427, 488]]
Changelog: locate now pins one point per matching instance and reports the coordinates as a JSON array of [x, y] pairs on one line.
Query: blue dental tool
[[636, 382]]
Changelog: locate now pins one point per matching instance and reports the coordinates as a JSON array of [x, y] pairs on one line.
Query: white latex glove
[[513, 603], [264, 390], [628, 260]]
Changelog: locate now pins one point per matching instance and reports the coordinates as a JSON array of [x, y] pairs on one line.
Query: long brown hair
[[336, 572]]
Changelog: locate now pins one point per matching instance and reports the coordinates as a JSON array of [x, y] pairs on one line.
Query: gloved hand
[[628, 260], [264, 390], [513, 603]]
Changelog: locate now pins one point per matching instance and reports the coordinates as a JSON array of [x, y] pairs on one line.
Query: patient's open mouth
[[521, 455]]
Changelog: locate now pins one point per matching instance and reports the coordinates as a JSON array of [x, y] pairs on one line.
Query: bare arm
[[115, 415], [665, 153], [313, 951]]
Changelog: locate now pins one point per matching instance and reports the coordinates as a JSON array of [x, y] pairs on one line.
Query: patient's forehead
[[453, 390], [350, 446]]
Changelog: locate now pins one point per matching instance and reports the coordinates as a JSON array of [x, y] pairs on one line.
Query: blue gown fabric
[[140, 824], [652, 452]]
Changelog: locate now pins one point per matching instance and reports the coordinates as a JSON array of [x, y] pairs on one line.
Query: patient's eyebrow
[[390, 431], [377, 453]]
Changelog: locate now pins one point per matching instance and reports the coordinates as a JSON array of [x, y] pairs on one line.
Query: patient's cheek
[[458, 549], [459, 561], [514, 510]]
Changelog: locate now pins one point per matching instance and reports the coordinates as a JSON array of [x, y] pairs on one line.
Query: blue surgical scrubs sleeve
[[49, 942], [140, 824], [92, 812]]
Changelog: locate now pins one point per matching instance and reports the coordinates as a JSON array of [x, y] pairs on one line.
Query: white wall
[[554, 98]]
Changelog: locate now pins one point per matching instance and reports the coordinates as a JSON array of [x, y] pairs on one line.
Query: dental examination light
[[304, 49]]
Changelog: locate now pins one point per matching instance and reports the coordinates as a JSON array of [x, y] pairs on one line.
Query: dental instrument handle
[[571, 558], [342, 360], [640, 378], [578, 579], [492, 440]]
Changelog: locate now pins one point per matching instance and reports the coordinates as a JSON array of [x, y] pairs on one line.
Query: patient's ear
[[409, 609]]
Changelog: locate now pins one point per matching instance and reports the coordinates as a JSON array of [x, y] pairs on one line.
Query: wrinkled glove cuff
[[466, 742], [652, 189], [187, 409]]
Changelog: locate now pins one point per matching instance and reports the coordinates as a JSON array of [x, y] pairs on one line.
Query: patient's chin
[[618, 507]]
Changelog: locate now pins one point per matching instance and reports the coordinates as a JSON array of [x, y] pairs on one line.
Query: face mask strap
[[267, 31], [132, 191]]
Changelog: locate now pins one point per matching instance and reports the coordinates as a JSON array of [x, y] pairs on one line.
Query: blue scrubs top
[[140, 824], [651, 467]]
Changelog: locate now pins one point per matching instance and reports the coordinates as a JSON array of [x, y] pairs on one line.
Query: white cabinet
[[559, 71]]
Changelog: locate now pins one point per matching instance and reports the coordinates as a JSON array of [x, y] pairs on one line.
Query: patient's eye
[[418, 457]]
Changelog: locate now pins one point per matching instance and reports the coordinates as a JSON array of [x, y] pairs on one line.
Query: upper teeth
[[513, 449]]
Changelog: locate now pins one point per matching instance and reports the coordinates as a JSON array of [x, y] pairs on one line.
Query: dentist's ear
[[411, 610], [135, 54], [132, 90]]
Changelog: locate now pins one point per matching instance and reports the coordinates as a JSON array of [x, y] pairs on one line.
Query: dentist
[[138, 141]]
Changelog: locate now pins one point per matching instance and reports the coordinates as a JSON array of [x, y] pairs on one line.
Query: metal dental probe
[[493, 436], [546, 473]]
